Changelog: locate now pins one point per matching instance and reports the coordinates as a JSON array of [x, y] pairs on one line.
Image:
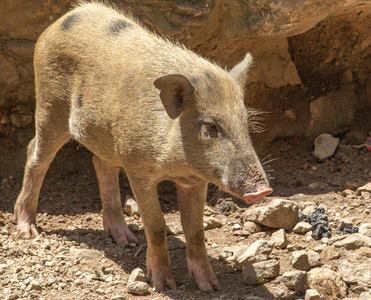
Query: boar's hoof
[[122, 236], [28, 231], [161, 284], [204, 275], [208, 287], [256, 197]]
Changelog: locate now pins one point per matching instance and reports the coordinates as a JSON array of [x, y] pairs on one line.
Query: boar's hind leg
[[113, 216], [158, 259], [191, 201], [40, 153]]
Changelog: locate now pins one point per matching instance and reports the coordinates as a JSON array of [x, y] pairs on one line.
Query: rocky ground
[[74, 259], [310, 83]]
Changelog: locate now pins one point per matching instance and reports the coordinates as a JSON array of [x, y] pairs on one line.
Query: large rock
[[255, 273], [272, 63], [300, 260], [256, 252], [341, 104], [183, 19], [354, 269], [24, 20], [295, 280], [354, 241], [16, 76], [137, 288], [242, 19], [278, 213], [327, 282]]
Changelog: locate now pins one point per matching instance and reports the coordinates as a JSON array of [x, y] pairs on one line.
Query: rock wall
[[311, 57]]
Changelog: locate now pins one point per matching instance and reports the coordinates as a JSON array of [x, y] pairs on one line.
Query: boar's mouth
[[261, 191], [249, 184]]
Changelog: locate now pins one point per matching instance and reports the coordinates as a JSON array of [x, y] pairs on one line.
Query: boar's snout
[[261, 192], [249, 182]]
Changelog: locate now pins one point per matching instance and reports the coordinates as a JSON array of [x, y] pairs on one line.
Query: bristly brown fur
[[149, 106]]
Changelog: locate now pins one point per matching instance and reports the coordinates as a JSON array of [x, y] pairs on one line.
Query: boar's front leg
[[191, 205], [158, 259], [40, 153], [113, 216]]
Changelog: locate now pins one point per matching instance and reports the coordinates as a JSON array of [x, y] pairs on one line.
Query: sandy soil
[[69, 215]]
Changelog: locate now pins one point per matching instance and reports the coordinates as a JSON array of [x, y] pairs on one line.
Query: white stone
[[312, 295], [212, 222], [137, 275], [137, 287], [280, 238], [174, 229], [119, 297], [365, 188], [325, 146], [302, 227], [314, 259], [131, 207], [251, 227], [236, 227], [365, 229]]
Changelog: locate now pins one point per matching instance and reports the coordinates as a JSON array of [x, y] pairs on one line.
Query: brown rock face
[[327, 282]]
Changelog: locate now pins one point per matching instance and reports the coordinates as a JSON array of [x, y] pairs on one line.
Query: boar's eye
[[209, 130]]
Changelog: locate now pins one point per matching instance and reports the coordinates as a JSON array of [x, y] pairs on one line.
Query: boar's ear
[[173, 90], [239, 72]]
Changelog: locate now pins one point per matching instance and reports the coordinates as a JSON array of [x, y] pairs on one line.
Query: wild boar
[[151, 107]]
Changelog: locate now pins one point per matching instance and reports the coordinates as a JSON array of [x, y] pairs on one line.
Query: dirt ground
[[69, 215]]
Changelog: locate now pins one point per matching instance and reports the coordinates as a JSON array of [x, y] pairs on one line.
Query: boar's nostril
[[256, 197]]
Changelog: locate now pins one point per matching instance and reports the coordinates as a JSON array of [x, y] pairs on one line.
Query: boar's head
[[214, 124]]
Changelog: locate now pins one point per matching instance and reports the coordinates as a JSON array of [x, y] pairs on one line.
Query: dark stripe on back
[[69, 22], [194, 80], [118, 26]]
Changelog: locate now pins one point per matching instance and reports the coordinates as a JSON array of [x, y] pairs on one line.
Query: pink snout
[[259, 195]]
